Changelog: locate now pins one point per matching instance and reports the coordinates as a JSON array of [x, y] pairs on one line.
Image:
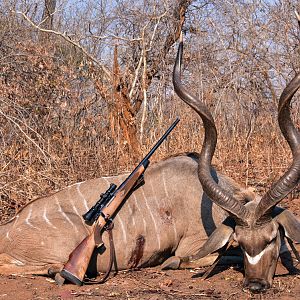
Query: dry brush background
[[86, 88]]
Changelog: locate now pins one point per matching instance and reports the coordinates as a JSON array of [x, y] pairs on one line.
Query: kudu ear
[[290, 225], [222, 234]]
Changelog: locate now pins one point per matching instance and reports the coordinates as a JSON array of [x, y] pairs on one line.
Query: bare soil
[[150, 284]]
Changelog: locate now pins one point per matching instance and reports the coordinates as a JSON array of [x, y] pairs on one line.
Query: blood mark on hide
[[138, 252]]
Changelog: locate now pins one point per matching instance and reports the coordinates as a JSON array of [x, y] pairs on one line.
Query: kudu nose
[[256, 286]]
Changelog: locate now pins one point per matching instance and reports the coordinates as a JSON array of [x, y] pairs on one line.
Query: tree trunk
[[47, 19]]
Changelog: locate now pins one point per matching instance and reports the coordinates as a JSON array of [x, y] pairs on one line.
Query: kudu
[[160, 219], [259, 227], [166, 220]]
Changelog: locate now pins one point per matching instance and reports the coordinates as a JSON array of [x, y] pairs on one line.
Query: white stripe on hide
[[170, 205], [8, 237], [47, 220], [64, 215], [164, 183], [82, 196], [124, 235], [155, 198], [28, 218], [131, 214], [140, 212], [152, 217]]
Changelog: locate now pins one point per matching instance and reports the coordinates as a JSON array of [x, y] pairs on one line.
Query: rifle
[[101, 216]]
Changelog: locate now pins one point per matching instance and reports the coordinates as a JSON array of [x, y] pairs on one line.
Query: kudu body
[[160, 219], [259, 226]]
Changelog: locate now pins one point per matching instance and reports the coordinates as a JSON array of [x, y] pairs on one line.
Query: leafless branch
[[67, 38]]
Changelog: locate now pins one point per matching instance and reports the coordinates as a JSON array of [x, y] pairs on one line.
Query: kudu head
[[259, 226]]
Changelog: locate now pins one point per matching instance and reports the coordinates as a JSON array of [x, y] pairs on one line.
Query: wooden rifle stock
[[76, 267]]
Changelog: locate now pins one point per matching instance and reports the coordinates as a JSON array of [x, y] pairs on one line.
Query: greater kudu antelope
[[259, 226], [166, 220], [160, 219]]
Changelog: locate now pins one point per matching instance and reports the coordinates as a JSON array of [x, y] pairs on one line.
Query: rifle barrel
[[145, 161], [161, 139]]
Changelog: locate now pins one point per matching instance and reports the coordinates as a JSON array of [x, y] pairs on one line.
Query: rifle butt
[[76, 267]]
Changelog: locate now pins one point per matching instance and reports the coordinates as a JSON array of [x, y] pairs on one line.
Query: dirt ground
[[154, 284], [151, 284]]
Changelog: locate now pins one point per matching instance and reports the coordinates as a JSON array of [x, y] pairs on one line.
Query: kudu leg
[[10, 265], [54, 271], [175, 262], [290, 258]]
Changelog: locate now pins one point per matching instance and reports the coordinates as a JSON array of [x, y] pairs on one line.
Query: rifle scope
[[90, 216]]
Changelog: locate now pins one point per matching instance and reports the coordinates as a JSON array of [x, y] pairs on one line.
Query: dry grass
[[24, 176], [55, 132]]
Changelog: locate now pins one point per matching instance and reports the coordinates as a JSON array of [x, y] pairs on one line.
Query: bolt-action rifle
[[102, 214]]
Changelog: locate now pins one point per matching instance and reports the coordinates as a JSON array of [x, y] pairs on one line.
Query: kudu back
[[259, 227]]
